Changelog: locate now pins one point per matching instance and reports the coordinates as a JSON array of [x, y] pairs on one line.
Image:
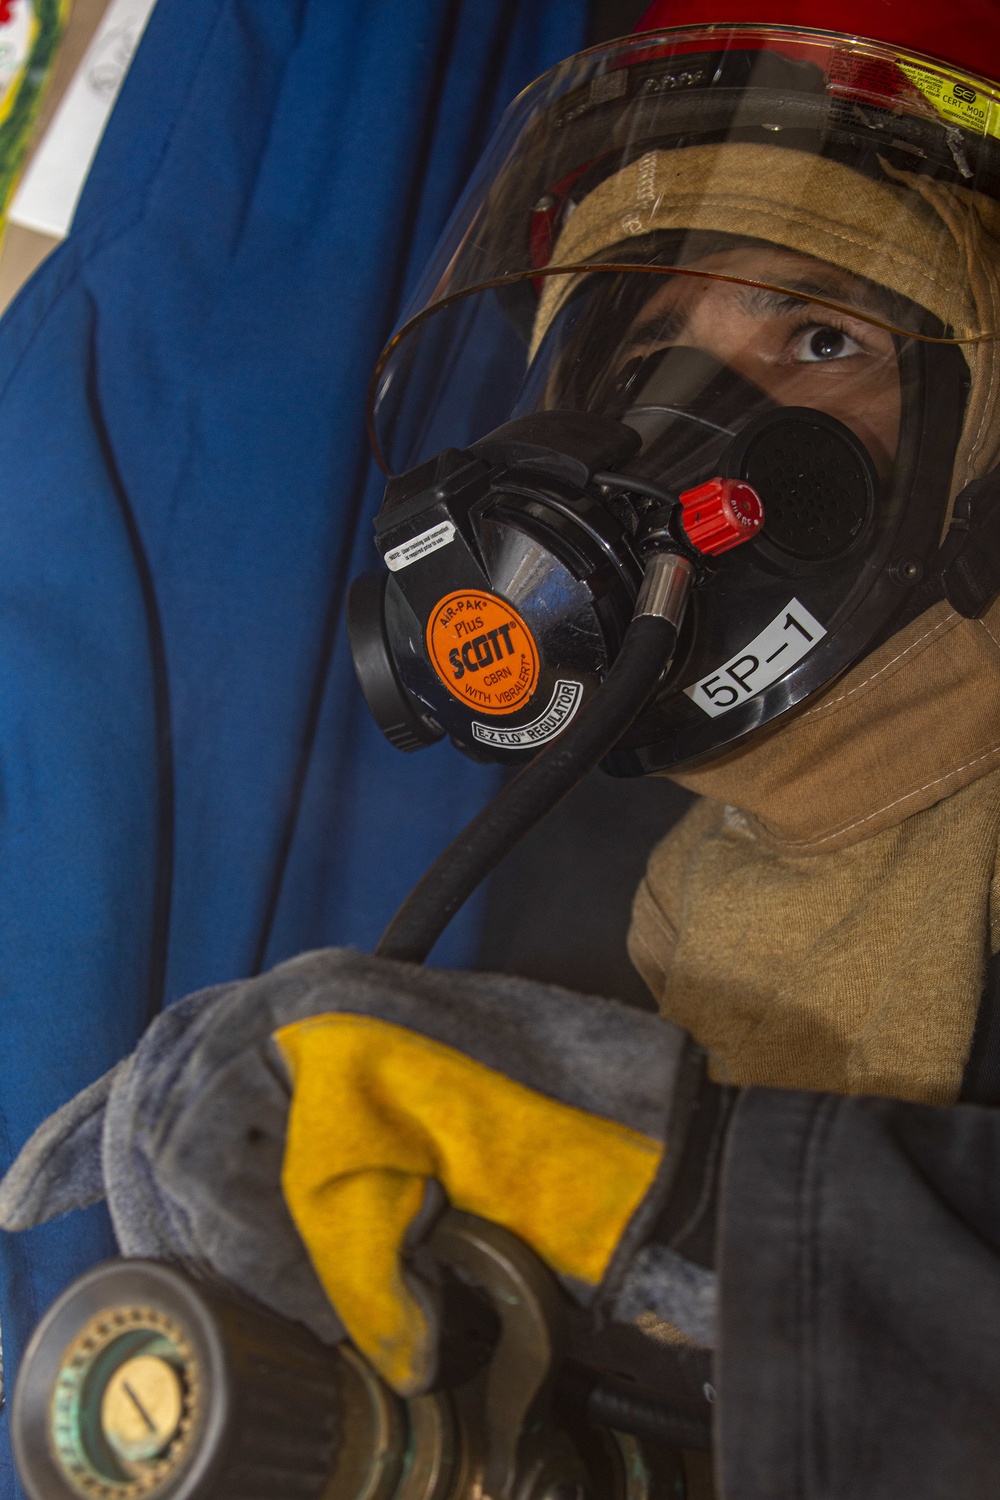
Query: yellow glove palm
[[378, 1111]]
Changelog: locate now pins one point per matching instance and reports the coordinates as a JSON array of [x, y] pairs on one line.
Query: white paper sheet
[[49, 190]]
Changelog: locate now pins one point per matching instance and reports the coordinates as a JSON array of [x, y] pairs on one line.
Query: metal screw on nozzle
[[141, 1408]]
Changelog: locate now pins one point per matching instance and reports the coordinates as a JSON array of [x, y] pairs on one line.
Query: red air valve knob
[[721, 514]]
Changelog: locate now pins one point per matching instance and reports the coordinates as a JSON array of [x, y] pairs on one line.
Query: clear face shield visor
[[690, 359], [757, 250]]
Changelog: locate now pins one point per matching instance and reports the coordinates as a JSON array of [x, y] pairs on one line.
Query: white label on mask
[[790, 636], [420, 546], [563, 705]]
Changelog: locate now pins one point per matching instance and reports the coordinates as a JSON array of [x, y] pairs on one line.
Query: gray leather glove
[[186, 1137]]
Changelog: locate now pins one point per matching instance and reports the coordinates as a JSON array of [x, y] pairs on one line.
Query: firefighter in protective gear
[[720, 220]]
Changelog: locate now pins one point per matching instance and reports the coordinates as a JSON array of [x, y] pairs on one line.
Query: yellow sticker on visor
[[956, 101]]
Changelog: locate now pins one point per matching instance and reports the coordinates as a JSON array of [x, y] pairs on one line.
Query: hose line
[[647, 650]]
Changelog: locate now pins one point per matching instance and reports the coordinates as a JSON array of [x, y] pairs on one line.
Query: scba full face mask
[[740, 254]]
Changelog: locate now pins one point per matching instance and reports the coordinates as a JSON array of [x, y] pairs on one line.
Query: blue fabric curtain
[[190, 785]]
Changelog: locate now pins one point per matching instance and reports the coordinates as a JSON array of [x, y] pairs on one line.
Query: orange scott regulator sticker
[[482, 651]]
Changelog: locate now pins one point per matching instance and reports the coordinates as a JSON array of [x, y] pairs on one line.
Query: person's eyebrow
[[766, 302], [662, 329], [762, 302]]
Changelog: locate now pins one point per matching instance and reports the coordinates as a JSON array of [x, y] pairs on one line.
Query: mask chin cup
[[817, 478]]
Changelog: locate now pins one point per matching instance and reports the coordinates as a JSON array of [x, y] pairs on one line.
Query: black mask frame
[[533, 523]]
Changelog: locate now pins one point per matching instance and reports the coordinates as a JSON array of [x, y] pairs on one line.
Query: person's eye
[[823, 344]]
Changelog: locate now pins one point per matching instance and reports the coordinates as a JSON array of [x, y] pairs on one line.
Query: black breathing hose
[[647, 650]]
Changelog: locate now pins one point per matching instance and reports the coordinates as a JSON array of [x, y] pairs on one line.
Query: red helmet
[[966, 32]]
